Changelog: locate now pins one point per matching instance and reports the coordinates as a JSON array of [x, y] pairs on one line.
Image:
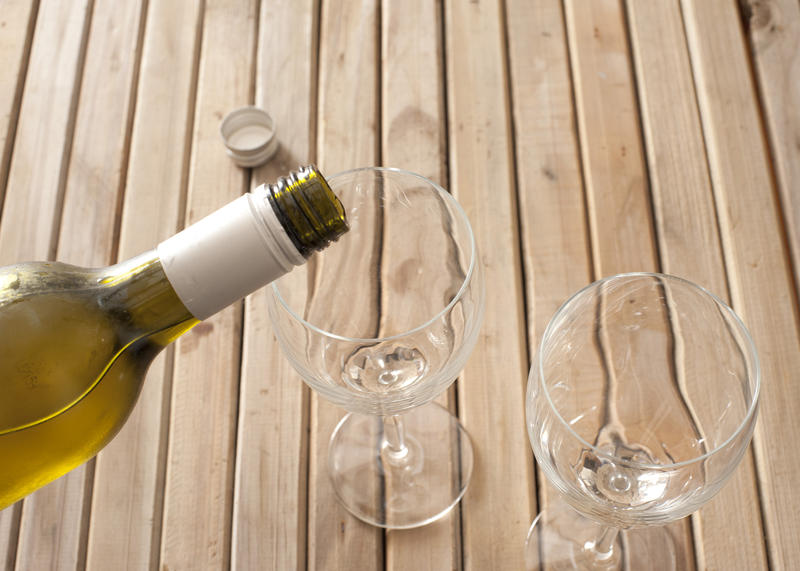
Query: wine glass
[[641, 402], [381, 323]]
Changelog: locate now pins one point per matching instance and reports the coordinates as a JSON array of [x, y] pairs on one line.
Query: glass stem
[[394, 437], [603, 546]]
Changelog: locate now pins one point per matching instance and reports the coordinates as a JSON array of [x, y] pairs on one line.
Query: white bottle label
[[227, 255]]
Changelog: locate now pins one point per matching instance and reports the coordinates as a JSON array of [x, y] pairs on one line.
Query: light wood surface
[[413, 137], [347, 136], [582, 139], [774, 31]]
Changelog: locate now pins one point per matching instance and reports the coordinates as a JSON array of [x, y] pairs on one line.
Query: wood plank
[[413, 134], [30, 217], [613, 161], [412, 92], [554, 233], [16, 34], [9, 531], [347, 123], [497, 506], [611, 146], [99, 157], [38, 166], [129, 474], [773, 31], [270, 497], [685, 217], [755, 255], [86, 238], [198, 496], [552, 209]]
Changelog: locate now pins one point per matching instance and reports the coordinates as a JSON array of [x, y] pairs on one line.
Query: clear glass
[[641, 402], [381, 323]]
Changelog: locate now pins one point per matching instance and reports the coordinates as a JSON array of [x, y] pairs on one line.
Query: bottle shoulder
[[23, 279]]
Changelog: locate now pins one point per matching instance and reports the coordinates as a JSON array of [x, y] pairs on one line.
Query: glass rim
[[748, 345], [461, 291]]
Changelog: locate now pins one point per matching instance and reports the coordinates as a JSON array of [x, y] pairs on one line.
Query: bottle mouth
[[307, 208]]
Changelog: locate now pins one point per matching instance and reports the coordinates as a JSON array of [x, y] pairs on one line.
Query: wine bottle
[[76, 342]]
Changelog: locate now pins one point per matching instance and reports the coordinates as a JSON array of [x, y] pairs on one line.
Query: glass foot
[[560, 538], [400, 491]]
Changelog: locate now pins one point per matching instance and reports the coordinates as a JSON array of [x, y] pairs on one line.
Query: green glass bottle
[[75, 343]]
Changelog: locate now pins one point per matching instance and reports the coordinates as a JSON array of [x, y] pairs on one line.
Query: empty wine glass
[[380, 324], [641, 402]]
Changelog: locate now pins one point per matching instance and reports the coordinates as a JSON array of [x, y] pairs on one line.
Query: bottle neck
[[251, 241], [309, 212], [227, 255]]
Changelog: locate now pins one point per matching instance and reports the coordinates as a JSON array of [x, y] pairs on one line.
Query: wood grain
[[550, 183], [270, 497], [99, 155], [623, 238], [554, 233], [413, 138], [347, 137], [773, 31], [611, 146], [16, 35], [9, 531], [198, 496], [129, 472], [685, 217], [497, 507], [755, 252]]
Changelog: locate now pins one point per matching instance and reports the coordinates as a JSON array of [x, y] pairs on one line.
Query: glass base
[[560, 538], [400, 491]]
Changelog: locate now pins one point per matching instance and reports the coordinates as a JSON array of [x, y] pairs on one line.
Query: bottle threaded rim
[[307, 208]]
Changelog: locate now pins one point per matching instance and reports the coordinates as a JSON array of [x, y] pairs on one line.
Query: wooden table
[[583, 139]]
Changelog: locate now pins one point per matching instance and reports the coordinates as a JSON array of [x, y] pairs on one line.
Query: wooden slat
[[554, 229], [497, 506], [552, 213], [413, 138], [9, 530], [685, 217], [270, 507], [613, 162], [129, 473], [198, 496], [86, 239], [412, 90], [100, 144], [347, 137], [755, 256], [773, 30], [16, 33], [611, 147], [30, 215]]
